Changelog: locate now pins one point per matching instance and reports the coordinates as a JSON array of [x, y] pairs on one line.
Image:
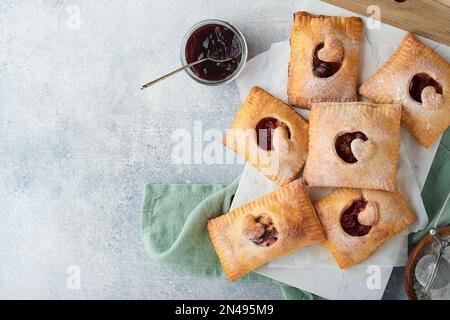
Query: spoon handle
[[437, 260], [172, 73]]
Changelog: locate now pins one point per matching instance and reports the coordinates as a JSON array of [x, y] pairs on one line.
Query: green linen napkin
[[436, 188], [173, 225], [174, 219]]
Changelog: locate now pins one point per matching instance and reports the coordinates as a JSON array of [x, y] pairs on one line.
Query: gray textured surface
[[79, 140]]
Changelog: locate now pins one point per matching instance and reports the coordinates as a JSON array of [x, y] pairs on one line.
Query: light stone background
[[79, 140]]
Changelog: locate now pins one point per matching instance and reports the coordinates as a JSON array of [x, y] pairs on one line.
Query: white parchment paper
[[305, 267]]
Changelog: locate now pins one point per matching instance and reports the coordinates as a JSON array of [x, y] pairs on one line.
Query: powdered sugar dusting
[[304, 86]]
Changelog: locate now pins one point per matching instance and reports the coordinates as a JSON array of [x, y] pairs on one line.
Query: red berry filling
[[419, 82], [217, 40], [264, 132], [343, 145], [260, 230], [349, 219], [324, 69]]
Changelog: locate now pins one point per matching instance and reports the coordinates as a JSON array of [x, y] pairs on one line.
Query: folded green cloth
[[173, 225], [437, 188], [174, 220]]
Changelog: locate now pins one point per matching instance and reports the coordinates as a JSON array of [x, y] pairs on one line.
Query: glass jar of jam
[[219, 39]]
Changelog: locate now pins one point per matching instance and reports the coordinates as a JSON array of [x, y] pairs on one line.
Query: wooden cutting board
[[429, 18]]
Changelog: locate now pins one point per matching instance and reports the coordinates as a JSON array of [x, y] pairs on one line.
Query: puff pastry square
[[353, 144], [270, 227], [419, 79], [261, 117], [324, 61], [357, 222]]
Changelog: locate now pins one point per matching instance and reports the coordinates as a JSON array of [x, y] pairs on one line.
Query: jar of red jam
[[220, 39]]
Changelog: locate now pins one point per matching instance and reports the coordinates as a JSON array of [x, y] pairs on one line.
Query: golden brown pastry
[[419, 79], [265, 229], [324, 59], [357, 222], [270, 135], [353, 144]]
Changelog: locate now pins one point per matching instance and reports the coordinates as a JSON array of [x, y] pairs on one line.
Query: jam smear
[[219, 41], [264, 132], [324, 69], [343, 145], [349, 219], [261, 230], [419, 82]]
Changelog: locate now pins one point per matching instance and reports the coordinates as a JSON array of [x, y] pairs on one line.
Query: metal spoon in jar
[[212, 57]]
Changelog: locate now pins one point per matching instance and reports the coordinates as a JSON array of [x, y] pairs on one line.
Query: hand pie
[[418, 78], [358, 222], [265, 229], [324, 59], [353, 144], [270, 135]]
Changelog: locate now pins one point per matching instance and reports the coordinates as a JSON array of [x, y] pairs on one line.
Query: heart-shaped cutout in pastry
[[362, 149], [332, 51], [280, 140], [260, 230], [431, 100], [349, 218], [251, 228], [418, 90], [265, 130], [343, 145], [369, 216]]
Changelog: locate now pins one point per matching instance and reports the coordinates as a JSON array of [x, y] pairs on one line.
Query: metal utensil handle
[[442, 210], [437, 260], [172, 73]]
